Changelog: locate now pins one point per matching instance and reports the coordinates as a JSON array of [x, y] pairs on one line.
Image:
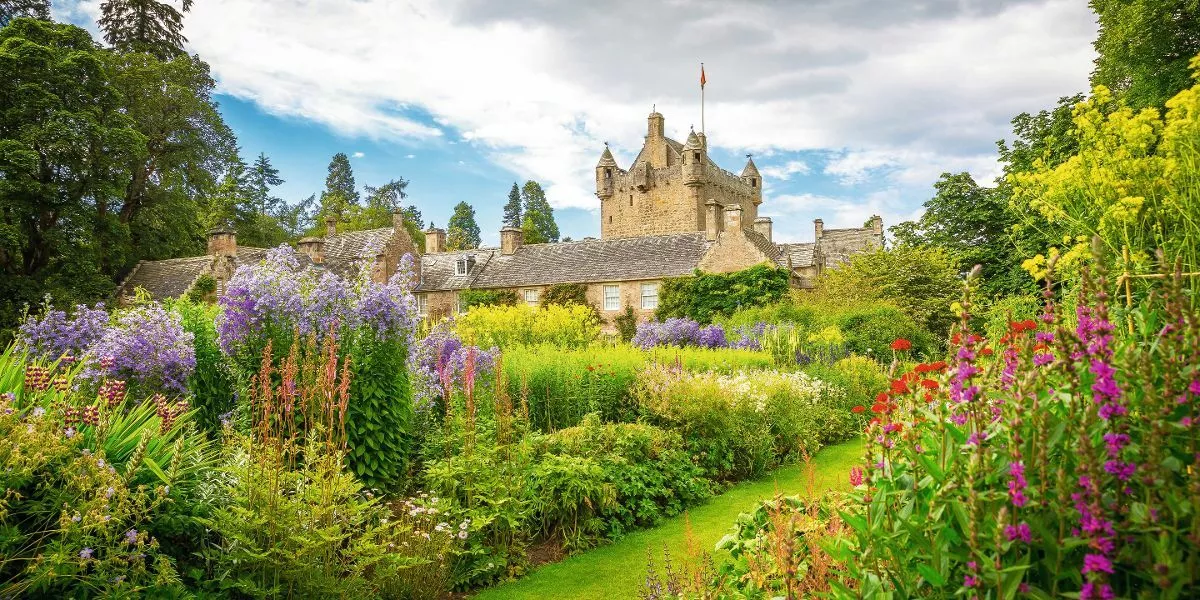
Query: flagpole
[[701, 98]]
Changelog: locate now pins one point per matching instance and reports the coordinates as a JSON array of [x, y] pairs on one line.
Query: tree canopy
[[146, 26], [538, 222], [462, 232], [512, 208]]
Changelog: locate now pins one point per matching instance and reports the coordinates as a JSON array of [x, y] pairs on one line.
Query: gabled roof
[[585, 261], [765, 246], [800, 254], [168, 278], [344, 250]]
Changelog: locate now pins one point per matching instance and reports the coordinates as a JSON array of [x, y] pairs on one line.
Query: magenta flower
[[1019, 532], [856, 476], [1097, 563]]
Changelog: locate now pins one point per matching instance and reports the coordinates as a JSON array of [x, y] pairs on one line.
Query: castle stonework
[[667, 187]]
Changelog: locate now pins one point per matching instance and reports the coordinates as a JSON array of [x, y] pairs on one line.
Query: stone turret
[[753, 179], [693, 160], [606, 174], [655, 126]]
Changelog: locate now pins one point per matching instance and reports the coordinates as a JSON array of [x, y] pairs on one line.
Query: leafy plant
[[468, 299], [705, 296]]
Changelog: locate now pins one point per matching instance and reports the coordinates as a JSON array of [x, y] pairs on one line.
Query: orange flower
[[928, 397], [899, 386], [987, 352], [858, 409], [929, 384]]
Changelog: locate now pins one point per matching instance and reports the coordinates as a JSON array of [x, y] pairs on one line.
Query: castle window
[[610, 219], [612, 297], [631, 199], [649, 295], [753, 183], [608, 173], [423, 305], [532, 297], [696, 157]]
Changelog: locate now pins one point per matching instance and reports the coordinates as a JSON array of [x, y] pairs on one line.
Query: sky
[[849, 107]]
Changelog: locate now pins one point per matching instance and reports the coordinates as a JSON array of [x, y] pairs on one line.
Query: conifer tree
[[264, 176], [340, 193], [538, 213], [462, 230], [144, 26], [15, 9], [512, 210]]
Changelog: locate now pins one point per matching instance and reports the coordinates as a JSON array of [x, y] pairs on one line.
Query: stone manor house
[[672, 212]]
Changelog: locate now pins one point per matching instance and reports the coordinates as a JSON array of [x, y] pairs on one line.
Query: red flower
[[899, 386], [901, 345], [879, 408], [929, 384], [858, 409], [928, 397], [956, 338], [923, 368], [910, 376], [881, 398], [939, 365], [987, 352]]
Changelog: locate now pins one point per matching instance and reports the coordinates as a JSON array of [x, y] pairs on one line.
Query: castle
[[673, 212]]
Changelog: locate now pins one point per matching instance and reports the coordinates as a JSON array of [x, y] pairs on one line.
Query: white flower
[[462, 535]]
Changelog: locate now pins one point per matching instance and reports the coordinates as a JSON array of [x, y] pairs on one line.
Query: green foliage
[[705, 296], [15, 9], [212, 382], [380, 422], [144, 26], [468, 299], [1144, 47], [512, 208], [560, 386], [340, 192], [203, 289], [626, 324], [922, 282], [538, 222], [972, 224], [462, 230], [523, 325], [565, 294], [996, 316]]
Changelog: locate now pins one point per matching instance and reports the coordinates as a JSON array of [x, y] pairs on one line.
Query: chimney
[[712, 223], [733, 217], [511, 238], [222, 241], [876, 224], [398, 220], [435, 240], [330, 226], [819, 229], [313, 248], [763, 226]]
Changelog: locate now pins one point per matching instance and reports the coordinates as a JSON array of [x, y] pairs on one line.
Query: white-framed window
[[612, 297], [532, 297], [423, 305], [649, 295], [457, 304]]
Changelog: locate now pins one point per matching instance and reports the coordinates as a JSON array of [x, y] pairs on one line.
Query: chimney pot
[[818, 228], [511, 239], [330, 226], [398, 219]]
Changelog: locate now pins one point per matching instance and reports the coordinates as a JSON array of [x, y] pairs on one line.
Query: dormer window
[[464, 264]]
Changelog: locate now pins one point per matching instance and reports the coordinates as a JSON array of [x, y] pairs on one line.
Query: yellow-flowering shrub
[[571, 326]]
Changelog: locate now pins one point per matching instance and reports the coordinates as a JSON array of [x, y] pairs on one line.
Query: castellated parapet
[[667, 186]]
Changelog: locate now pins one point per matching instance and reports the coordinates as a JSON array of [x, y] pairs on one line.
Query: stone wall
[[733, 251]]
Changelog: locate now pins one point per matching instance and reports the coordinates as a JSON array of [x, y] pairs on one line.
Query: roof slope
[[343, 250], [587, 261], [799, 254], [168, 278], [438, 270]]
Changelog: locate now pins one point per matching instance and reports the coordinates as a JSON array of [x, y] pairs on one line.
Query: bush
[[871, 331], [561, 386], [723, 417], [626, 324], [468, 299], [921, 282], [211, 383], [705, 296], [565, 294], [522, 325]]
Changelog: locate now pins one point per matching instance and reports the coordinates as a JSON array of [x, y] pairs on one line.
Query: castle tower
[[606, 174], [753, 179]]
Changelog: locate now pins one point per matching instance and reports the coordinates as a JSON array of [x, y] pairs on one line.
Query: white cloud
[[358, 155], [906, 89], [786, 170], [410, 156]]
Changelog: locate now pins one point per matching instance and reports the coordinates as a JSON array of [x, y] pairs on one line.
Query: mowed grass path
[[618, 570]]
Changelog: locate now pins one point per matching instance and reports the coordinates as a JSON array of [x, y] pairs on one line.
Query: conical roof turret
[[693, 142], [606, 159], [750, 170]]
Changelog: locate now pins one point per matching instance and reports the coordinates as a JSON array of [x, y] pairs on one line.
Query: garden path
[[618, 570]]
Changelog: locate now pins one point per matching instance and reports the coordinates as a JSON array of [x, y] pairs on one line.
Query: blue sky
[[850, 107]]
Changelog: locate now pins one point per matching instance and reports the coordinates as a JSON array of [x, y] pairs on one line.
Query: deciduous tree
[[462, 232]]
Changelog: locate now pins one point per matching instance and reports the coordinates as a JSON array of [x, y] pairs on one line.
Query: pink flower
[[1097, 563], [856, 476]]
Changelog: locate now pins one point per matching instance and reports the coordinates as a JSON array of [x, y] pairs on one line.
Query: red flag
[[702, 79]]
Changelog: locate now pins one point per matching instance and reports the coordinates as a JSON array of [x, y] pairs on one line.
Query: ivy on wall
[[702, 296]]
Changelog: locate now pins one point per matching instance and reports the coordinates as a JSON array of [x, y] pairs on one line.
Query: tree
[[538, 213], [262, 177], [532, 235], [972, 224], [1144, 48], [922, 282], [144, 26], [340, 193], [462, 233], [15, 9], [512, 210]]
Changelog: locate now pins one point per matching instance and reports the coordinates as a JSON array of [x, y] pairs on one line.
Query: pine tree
[[144, 26], [264, 176], [462, 230], [539, 213], [340, 193], [15, 9], [533, 235], [228, 203], [512, 210]]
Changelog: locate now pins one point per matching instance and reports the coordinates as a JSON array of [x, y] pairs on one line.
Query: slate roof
[[344, 250], [585, 261], [800, 254], [771, 251], [168, 278], [838, 244]]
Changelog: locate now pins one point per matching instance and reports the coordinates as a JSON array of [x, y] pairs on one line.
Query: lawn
[[618, 570]]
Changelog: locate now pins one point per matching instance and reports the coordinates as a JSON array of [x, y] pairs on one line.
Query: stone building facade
[[673, 212]]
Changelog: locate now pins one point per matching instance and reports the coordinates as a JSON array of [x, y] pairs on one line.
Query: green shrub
[[565, 294], [705, 296], [922, 282], [860, 378], [203, 289], [471, 298], [212, 382], [626, 324], [997, 315], [561, 386], [721, 360], [870, 331], [380, 421], [522, 325]]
